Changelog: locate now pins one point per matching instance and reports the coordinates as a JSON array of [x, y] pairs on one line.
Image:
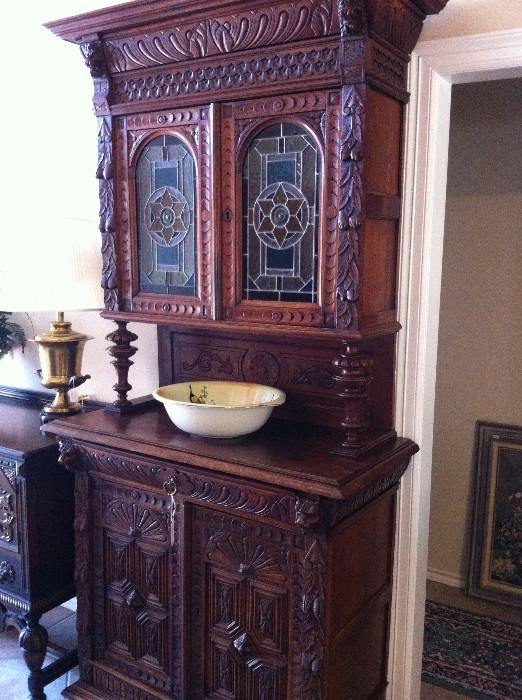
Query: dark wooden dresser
[[36, 535], [249, 168]]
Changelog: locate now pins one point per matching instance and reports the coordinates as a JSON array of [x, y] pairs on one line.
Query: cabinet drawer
[[197, 485], [10, 573]]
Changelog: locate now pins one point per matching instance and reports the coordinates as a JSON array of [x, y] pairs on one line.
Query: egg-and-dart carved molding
[[269, 69], [351, 206], [301, 19]]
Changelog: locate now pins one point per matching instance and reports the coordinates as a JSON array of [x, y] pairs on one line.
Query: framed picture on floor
[[495, 570]]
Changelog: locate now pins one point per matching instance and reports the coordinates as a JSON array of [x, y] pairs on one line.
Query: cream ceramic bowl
[[219, 409]]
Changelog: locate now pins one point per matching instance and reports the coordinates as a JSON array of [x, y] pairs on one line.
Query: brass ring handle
[[171, 486]]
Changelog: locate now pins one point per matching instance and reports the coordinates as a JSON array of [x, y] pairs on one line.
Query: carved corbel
[[307, 513], [68, 455], [94, 56]]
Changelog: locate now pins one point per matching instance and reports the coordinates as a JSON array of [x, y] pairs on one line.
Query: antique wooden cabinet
[[249, 168]]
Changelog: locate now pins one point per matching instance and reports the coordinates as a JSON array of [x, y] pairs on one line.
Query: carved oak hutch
[[249, 169]]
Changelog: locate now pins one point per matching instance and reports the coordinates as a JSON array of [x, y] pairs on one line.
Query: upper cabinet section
[[249, 159]]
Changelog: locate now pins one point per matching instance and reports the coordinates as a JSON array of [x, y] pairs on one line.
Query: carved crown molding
[[250, 29]]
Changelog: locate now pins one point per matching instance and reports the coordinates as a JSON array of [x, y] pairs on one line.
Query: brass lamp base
[[61, 350]]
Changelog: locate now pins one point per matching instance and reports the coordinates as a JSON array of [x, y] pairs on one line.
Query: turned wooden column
[[354, 375], [122, 351]]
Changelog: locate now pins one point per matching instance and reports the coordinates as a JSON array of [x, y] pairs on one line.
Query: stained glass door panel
[[280, 209], [281, 182], [166, 217]]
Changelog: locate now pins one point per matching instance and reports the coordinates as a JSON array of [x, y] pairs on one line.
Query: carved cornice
[[250, 29]]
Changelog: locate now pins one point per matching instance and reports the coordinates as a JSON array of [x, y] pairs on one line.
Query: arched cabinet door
[[165, 212], [280, 203]]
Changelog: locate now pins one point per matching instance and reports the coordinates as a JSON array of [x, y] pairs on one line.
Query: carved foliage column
[[94, 56], [351, 206]]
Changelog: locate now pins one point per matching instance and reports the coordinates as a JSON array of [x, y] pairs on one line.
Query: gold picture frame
[[495, 568]]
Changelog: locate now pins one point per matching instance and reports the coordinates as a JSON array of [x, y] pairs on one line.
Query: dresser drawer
[[10, 573]]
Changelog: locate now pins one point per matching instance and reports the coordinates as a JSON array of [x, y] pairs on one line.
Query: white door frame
[[435, 66]]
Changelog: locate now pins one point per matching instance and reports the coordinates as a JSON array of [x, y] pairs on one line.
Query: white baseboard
[[446, 578]]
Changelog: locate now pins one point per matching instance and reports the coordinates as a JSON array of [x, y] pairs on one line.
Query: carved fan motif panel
[[136, 567], [241, 606]]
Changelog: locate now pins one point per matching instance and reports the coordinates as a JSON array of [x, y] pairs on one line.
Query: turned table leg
[[33, 642]]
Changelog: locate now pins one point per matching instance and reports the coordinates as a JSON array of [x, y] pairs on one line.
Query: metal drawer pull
[[7, 573], [171, 488]]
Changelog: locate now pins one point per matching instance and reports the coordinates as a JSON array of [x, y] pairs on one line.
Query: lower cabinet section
[[196, 587]]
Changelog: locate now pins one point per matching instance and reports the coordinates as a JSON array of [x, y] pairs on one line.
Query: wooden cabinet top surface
[[286, 454], [20, 429]]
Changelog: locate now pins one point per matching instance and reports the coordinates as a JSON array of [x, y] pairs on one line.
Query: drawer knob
[[7, 573]]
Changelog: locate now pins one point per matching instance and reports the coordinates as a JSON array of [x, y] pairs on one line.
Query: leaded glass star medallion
[[281, 176], [166, 197]]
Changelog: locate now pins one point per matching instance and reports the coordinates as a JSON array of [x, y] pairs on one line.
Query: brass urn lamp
[[71, 245], [61, 351]]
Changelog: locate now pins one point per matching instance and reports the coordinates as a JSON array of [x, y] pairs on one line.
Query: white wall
[[479, 367], [466, 17], [51, 155]]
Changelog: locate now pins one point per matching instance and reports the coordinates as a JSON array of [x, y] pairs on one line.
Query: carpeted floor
[[60, 624], [472, 656]]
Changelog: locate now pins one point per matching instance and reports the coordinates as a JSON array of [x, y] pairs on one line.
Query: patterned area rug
[[471, 655]]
